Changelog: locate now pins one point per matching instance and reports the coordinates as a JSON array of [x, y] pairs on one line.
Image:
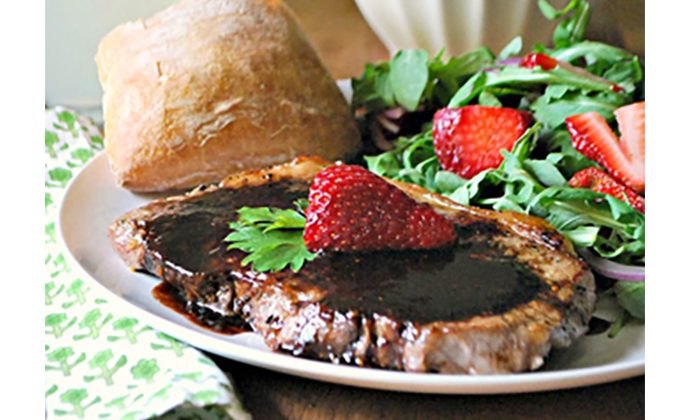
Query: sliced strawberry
[[352, 209], [632, 128], [624, 158], [538, 59], [469, 139], [597, 180]]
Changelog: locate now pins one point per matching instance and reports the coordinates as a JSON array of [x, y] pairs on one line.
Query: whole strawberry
[[469, 139], [351, 209]]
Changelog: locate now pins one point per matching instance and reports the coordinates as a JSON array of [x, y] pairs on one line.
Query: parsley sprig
[[271, 237]]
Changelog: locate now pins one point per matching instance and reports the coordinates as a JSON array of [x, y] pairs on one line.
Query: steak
[[497, 302]]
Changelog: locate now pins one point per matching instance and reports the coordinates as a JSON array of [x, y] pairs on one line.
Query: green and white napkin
[[100, 362]]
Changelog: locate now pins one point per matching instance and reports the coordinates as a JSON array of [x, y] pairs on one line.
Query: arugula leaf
[[272, 237], [552, 113], [568, 160], [551, 13], [612, 63], [445, 79], [524, 76], [569, 209], [372, 89], [413, 160], [571, 29], [592, 51], [408, 77], [472, 87], [546, 172], [630, 295], [513, 48], [571, 91], [412, 81], [448, 181], [487, 98]]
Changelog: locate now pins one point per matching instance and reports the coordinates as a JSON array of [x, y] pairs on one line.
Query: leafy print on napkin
[[100, 362]]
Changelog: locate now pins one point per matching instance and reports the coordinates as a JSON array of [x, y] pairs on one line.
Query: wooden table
[[339, 34], [270, 395], [345, 43]]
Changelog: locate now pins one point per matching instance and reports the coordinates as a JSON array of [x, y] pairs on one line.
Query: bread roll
[[206, 88]]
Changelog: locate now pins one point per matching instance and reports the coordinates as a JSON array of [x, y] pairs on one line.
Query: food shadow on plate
[[599, 349]]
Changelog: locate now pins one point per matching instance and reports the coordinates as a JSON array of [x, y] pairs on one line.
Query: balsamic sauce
[[424, 286], [169, 297], [421, 286], [189, 235]]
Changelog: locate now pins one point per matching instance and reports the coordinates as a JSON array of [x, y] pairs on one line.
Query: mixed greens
[[533, 177]]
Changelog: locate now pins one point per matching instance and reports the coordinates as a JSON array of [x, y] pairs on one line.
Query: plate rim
[[428, 383]]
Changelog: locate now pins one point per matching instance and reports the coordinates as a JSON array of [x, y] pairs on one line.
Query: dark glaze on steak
[[189, 235], [496, 302], [424, 286], [448, 284]]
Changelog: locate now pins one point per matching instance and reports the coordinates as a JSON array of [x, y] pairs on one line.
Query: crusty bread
[[206, 88]]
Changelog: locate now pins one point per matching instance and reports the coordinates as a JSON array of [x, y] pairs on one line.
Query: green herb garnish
[[272, 237]]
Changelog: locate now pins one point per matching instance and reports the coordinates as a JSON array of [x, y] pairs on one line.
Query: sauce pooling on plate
[[172, 299]]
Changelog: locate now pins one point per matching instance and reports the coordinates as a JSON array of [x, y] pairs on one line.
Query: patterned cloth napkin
[[100, 362]]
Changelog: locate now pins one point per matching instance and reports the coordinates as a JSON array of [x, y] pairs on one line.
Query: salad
[[555, 132]]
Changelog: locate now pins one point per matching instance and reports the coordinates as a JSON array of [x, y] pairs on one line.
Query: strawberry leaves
[[271, 237]]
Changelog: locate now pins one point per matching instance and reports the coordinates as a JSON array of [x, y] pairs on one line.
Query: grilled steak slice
[[497, 302]]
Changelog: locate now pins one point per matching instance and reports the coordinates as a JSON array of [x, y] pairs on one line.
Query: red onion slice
[[394, 113], [612, 269], [388, 124], [512, 61]]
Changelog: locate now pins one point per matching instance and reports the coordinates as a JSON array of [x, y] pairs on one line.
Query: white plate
[[93, 200]]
